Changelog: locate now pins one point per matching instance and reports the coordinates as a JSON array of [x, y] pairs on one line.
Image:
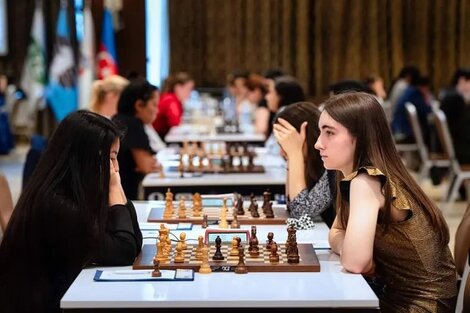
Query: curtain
[[319, 41]]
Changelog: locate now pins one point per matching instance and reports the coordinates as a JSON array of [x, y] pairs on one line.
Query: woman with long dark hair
[[309, 186], [386, 227], [72, 213]]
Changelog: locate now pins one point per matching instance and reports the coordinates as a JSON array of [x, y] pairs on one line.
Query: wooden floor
[[12, 166]]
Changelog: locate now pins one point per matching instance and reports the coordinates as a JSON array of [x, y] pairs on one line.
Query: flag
[[106, 59], [61, 93], [33, 77], [86, 71]]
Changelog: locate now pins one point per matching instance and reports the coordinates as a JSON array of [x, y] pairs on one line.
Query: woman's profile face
[[183, 91], [272, 97], [147, 111], [336, 145], [114, 153]]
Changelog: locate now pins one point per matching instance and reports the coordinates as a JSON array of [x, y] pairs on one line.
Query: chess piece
[[254, 207], [241, 267], [169, 201], [197, 205], [273, 256], [156, 269], [183, 240], [223, 218], [268, 211], [204, 221], [270, 241], [234, 250], [179, 257], [168, 212], [254, 248], [181, 166], [234, 224], [200, 245], [218, 253], [240, 210], [292, 251], [266, 200], [205, 267], [182, 209], [160, 256]]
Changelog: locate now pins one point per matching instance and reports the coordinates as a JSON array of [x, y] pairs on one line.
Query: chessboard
[[213, 214], [308, 260], [218, 169]]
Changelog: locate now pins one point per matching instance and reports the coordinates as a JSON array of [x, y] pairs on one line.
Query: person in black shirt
[[72, 213], [137, 106]]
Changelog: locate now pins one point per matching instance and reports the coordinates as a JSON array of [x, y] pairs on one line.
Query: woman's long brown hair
[[364, 118]]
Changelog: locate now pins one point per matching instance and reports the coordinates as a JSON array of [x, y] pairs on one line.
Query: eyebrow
[[327, 127]]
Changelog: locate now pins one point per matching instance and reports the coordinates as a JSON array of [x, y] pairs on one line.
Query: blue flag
[[61, 92]]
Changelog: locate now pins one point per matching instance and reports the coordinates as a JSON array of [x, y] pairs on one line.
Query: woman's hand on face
[[288, 138], [116, 194]]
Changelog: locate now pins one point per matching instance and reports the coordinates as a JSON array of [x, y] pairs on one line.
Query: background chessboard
[[308, 260], [213, 214]]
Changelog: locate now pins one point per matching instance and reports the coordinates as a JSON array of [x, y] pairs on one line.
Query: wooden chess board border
[[309, 261], [280, 217]]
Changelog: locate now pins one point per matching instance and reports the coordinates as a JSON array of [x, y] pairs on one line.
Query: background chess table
[[308, 260], [213, 214]]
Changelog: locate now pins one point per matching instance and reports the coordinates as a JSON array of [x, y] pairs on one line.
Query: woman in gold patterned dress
[[385, 227]]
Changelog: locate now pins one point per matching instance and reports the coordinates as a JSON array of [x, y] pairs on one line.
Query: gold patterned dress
[[417, 271]]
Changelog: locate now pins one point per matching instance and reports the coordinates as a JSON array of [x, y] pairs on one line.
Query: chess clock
[[226, 235]]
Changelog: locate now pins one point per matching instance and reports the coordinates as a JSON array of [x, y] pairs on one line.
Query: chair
[[460, 173], [463, 298], [6, 203], [428, 159]]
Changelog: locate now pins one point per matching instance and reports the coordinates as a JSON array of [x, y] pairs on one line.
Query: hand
[[288, 138], [116, 193]]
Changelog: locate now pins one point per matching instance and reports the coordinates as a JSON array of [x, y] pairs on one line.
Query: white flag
[[86, 72], [33, 78]]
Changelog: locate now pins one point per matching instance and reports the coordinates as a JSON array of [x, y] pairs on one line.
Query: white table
[[331, 289]]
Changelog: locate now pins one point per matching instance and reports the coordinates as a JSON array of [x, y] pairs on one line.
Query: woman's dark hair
[[179, 78], [289, 90], [139, 89], [296, 114], [73, 173]]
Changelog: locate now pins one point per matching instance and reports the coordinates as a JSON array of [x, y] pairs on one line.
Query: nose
[[116, 165], [318, 144]]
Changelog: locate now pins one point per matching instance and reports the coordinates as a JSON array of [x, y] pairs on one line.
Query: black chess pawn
[[205, 221], [156, 270], [218, 254], [254, 248], [254, 208], [266, 199], [270, 241], [241, 267], [240, 210], [273, 256], [235, 224], [268, 212]]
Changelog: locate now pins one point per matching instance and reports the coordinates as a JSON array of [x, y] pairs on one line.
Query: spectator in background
[[343, 86], [137, 106], [408, 75], [105, 95], [176, 90], [256, 94], [418, 93], [456, 105], [376, 84], [282, 91]]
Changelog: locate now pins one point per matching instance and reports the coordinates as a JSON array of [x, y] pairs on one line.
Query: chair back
[[417, 132]]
